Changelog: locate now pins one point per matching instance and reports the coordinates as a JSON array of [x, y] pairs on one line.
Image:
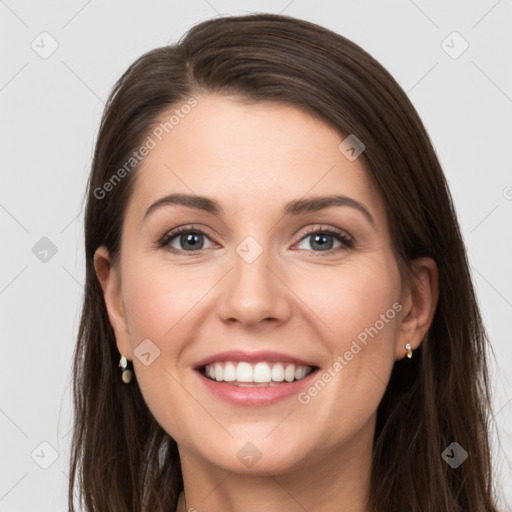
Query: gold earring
[[409, 350], [126, 376]]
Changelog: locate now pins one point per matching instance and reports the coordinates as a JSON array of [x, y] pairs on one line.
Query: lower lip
[[255, 396]]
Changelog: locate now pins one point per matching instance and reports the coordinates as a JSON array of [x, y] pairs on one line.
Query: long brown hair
[[122, 459]]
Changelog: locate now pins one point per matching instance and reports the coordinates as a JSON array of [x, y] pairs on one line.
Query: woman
[[278, 313]]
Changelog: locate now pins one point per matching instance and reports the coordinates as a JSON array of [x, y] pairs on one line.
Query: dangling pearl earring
[[126, 376], [409, 350]]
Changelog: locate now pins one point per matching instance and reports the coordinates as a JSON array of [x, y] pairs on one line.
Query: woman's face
[[267, 281]]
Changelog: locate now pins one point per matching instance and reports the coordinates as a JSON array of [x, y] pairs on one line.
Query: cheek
[[360, 305], [161, 305], [355, 302], [159, 301]]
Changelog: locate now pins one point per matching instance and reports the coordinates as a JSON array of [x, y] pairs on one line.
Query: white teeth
[[289, 373], [300, 373], [243, 372], [278, 372], [262, 373], [229, 372], [218, 372], [258, 373]]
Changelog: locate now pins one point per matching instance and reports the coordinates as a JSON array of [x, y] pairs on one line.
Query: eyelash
[[341, 236]]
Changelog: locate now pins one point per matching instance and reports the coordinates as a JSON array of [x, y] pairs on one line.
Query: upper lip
[[260, 356]]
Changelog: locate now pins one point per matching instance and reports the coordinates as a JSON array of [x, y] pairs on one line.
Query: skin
[[294, 298]]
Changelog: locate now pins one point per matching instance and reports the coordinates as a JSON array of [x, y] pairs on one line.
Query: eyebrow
[[293, 208]]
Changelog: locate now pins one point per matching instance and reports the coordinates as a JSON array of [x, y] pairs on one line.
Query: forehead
[[254, 157]]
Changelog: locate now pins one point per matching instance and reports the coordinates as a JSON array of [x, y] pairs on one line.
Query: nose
[[255, 292]]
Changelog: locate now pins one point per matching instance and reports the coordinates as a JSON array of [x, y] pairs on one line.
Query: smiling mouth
[[261, 374]]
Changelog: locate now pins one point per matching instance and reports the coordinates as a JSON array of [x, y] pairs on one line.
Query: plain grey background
[[59, 62]]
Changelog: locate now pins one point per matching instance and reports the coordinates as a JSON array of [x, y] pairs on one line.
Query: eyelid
[[173, 233], [347, 240], [321, 228]]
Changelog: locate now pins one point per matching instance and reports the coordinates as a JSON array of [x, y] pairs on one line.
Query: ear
[[419, 302], [110, 281]]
